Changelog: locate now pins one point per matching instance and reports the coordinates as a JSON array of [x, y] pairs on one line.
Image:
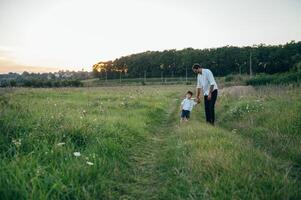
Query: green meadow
[[127, 143]]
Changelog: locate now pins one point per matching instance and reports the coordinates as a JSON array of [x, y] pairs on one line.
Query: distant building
[[57, 75], [67, 74]]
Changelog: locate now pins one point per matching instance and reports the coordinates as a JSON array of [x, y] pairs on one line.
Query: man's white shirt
[[187, 104], [205, 80]]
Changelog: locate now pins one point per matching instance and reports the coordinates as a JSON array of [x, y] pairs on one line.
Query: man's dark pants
[[209, 107]]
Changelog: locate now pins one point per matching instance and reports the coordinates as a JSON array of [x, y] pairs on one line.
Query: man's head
[[189, 94], [197, 68]]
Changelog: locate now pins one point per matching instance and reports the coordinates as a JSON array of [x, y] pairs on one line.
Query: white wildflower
[[17, 142], [77, 154], [89, 163], [61, 144]]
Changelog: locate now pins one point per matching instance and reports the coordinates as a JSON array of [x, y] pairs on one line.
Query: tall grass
[[270, 119], [42, 128], [132, 146], [205, 162]]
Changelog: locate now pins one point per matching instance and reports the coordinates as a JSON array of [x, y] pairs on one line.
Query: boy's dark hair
[[196, 66], [189, 92]]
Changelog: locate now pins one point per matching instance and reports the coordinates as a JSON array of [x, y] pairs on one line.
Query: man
[[206, 82]]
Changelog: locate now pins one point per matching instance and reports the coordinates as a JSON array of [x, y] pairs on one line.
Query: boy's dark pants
[[209, 107]]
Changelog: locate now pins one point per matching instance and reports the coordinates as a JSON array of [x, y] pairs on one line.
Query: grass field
[[138, 81], [127, 143], [223, 81]]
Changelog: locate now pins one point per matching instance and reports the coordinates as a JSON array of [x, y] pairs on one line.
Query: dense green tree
[[222, 61]]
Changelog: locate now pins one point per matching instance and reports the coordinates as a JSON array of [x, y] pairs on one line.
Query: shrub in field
[[229, 78], [245, 107], [40, 83], [4, 83], [285, 78]]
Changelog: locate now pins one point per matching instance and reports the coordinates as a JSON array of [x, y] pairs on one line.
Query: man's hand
[[209, 97], [210, 91]]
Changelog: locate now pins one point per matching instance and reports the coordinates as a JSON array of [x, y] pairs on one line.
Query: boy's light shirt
[[205, 80], [187, 104]]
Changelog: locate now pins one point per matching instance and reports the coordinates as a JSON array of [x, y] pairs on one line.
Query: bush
[[40, 83], [276, 79], [76, 83], [4, 83], [229, 78], [12, 83], [242, 108]]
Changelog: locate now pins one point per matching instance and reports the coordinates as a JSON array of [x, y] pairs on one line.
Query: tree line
[[222, 61], [56, 79]]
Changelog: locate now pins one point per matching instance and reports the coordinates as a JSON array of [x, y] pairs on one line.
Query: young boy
[[186, 106]]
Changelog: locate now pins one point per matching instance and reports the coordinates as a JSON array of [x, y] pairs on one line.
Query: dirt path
[[148, 157]]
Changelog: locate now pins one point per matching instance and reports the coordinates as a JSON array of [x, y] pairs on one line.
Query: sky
[[47, 35]]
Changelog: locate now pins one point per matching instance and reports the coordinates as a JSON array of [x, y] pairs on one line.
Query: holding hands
[[198, 99]]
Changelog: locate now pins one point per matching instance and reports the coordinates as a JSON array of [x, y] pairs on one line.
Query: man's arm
[[198, 89], [198, 93], [212, 83]]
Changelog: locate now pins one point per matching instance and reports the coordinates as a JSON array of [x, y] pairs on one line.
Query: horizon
[[48, 36], [35, 69]]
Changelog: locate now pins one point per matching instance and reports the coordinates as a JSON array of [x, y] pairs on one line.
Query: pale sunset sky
[[47, 35]]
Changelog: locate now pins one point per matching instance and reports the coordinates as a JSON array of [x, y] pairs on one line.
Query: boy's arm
[[181, 106]]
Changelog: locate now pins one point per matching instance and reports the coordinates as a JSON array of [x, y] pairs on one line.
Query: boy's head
[[189, 94]]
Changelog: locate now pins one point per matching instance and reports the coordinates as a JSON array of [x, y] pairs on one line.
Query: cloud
[[8, 65]]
